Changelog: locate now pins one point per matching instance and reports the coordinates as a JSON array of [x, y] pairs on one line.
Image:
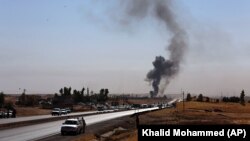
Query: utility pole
[[183, 106]]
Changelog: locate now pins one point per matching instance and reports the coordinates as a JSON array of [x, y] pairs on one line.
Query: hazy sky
[[46, 45]]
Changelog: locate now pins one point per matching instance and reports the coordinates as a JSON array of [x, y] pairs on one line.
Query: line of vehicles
[[135, 106], [59, 111], [77, 125], [7, 114]]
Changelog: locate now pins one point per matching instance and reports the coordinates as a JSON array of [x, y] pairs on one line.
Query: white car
[[74, 126], [64, 112], [56, 111]]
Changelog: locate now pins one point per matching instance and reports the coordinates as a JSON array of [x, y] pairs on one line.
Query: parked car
[[8, 115], [2, 114], [73, 126], [68, 110], [64, 112], [100, 108], [5, 114], [56, 111]]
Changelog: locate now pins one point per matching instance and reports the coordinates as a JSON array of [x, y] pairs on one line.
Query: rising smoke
[[164, 70]]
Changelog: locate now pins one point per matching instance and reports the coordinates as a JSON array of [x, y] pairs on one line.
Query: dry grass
[[25, 111], [10, 99], [86, 137], [30, 111], [200, 113], [195, 113], [132, 137], [119, 136], [123, 136], [127, 136], [225, 107]]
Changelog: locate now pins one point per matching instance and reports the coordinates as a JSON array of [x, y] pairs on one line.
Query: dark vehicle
[[100, 108], [73, 126], [160, 106], [136, 106], [8, 114], [56, 111], [2, 114]]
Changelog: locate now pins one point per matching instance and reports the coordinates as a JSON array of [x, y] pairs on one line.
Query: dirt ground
[[201, 113], [31, 111]]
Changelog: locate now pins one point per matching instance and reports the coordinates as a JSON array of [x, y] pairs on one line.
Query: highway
[[39, 131], [20, 119]]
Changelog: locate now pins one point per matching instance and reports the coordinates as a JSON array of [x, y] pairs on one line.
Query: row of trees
[[200, 98], [231, 99], [80, 96], [66, 97], [235, 99]]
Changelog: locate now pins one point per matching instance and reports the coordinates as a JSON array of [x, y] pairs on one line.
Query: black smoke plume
[[161, 10]]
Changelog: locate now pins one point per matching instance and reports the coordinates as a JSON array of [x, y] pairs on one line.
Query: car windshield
[[71, 122]]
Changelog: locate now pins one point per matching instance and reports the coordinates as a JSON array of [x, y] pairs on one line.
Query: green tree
[[66, 91], [56, 95], [65, 99], [82, 92], [22, 98], [30, 100], [106, 92], [103, 96], [77, 96], [61, 91], [200, 98], [242, 97], [2, 101], [189, 98], [102, 91], [207, 99]]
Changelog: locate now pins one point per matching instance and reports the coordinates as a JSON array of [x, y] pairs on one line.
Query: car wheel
[[62, 133]]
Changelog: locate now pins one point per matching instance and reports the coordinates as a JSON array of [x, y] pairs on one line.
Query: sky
[[46, 45]]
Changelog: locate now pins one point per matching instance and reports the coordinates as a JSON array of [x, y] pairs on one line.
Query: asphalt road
[[39, 131], [98, 129], [19, 119]]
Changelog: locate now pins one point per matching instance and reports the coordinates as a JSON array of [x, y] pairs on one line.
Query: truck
[[73, 126]]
